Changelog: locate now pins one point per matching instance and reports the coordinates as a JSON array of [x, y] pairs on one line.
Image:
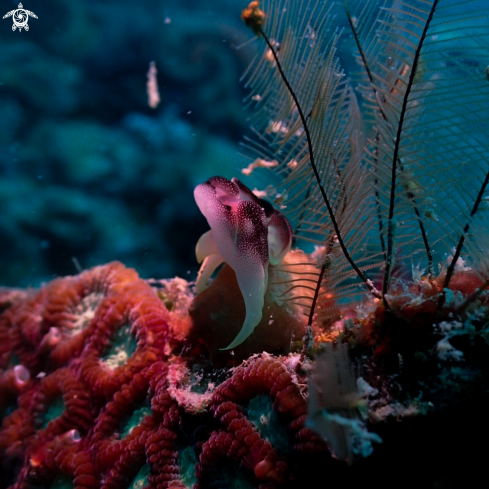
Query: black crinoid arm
[[375, 115]]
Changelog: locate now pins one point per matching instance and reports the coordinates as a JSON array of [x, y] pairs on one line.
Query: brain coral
[[93, 394], [105, 383]]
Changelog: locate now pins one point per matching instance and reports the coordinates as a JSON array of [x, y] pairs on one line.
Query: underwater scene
[[244, 244]]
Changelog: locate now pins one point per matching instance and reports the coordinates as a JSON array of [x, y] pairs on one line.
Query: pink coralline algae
[[100, 387]]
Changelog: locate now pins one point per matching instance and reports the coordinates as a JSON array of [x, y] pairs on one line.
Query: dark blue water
[[88, 171]]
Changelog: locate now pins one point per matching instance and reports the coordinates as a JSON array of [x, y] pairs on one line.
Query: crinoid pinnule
[[384, 166]]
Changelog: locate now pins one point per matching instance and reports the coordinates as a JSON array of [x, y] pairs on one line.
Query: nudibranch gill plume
[[247, 233]]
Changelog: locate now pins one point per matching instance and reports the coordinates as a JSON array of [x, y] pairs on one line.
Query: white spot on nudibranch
[[246, 233]]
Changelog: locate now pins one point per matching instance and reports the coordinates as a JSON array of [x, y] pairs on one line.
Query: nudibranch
[[247, 233]]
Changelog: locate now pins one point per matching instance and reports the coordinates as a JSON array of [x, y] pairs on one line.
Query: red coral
[[90, 393], [240, 440], [71, 323], [52, 326], [17, 428], [132, 305]]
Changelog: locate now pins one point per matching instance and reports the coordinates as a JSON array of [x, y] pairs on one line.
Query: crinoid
[[382, 166], [385, 169]]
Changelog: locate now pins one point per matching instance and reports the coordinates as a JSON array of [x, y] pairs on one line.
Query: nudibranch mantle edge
[[247, 233]]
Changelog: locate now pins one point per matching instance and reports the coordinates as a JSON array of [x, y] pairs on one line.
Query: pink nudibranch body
[[247, 233]]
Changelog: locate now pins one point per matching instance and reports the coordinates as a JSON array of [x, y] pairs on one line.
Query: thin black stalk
[[369, 74], [458, 251], [307, 339], [397, 143], [377, 198], [341, 242], [423, 234], [357, 41]]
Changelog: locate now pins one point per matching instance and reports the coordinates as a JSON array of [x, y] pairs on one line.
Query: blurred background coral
[[88, 171]]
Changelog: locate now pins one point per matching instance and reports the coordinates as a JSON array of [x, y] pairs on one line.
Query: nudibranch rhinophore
[[247, 233]]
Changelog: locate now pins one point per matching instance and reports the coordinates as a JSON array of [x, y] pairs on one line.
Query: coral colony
[[344, 340]]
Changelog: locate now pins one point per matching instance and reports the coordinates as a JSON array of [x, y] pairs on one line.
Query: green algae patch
[[265, 419], [187, 462], [141, 479], [14, 360], [55, 410], [230, 474], [235, 479], [123, 346], [62, 482], [134, 420]]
